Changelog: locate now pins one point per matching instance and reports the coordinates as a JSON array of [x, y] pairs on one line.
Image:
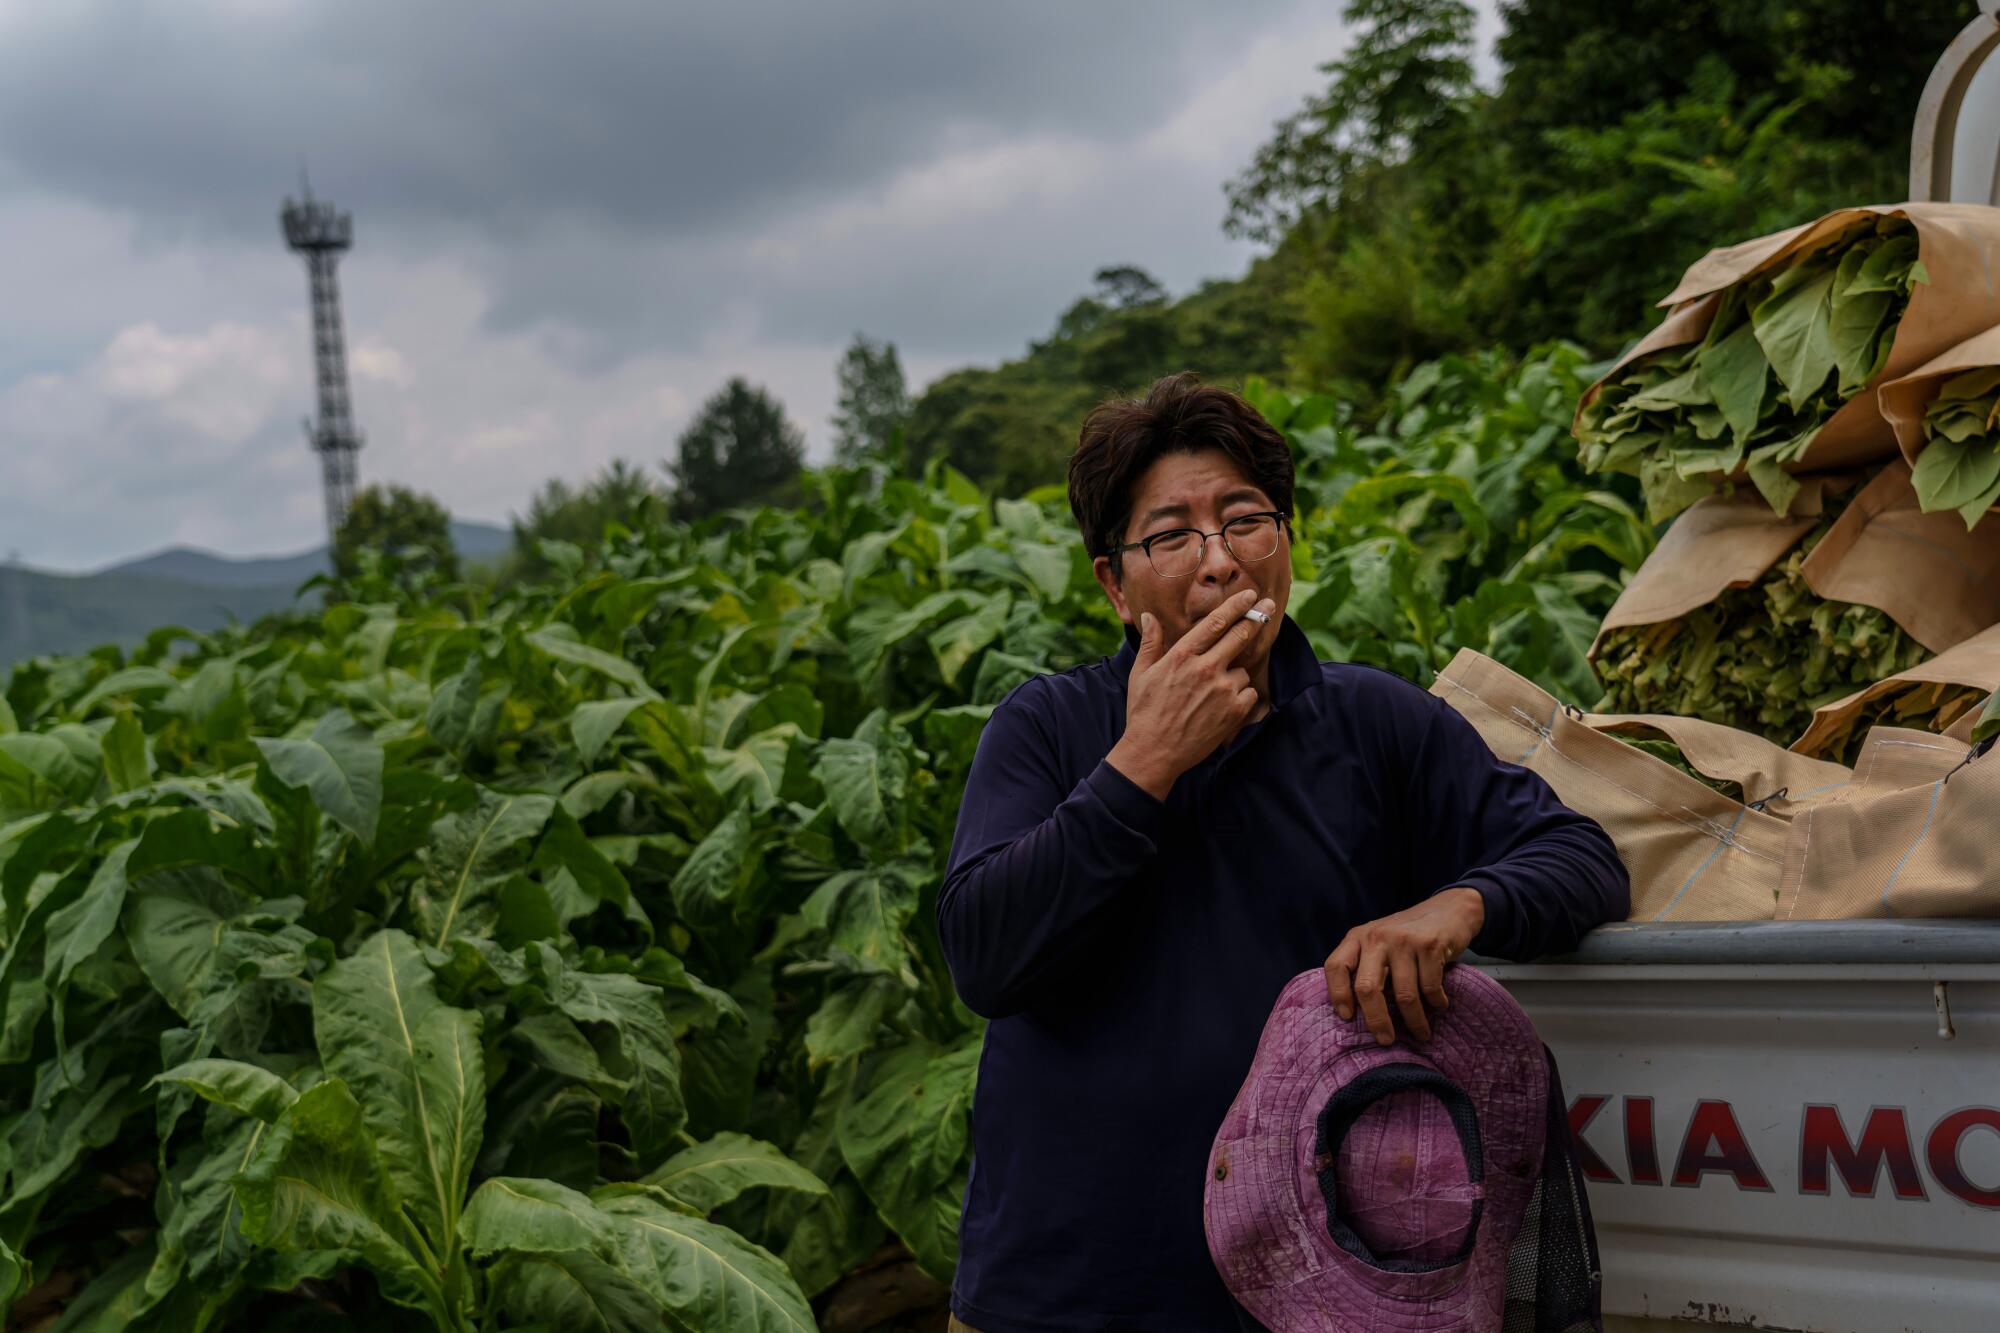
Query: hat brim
[[1265, 1215]]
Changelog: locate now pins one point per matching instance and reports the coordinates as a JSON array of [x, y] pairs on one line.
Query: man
[[1153, 844]]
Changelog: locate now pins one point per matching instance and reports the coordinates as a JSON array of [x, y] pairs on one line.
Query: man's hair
[[1179, 414]]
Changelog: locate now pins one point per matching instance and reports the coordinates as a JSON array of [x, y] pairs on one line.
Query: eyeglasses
[[1177, 553]]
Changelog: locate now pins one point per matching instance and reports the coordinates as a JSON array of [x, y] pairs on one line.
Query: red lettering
[[1884, 1141], [1581, 1112], [1714, 1142], [1640, 1153], [1942, 1152]]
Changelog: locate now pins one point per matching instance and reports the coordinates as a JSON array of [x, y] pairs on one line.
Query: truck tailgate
[[1776, 1132]]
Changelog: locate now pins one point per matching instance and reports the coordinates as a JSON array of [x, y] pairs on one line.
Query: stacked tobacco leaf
[[1760, 658], [1925, 706], [1959, 467], [1784, 351]]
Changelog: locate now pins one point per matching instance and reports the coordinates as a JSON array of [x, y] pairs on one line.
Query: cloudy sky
[[572, 223]]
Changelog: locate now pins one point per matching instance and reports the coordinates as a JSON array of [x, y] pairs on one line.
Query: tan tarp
[[1779, 781], [1693, 853], [1959, 246], [1924, 571], [1973, 666], [1911, 836], [1720, 542], [1905, 400]]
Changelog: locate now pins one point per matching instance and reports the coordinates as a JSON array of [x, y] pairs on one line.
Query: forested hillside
[[1410, 213]]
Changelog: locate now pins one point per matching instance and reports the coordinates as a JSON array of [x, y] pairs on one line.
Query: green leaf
[[450, 716], [711, 1174], [1948, 475], [866, 912], [127, 763], [572, 1293], [555, 641], [642, 1054], [317, 1184], [1737, 373], [1988, 725], [1856, 323], [1791, 326], [594, 723], [866, 781], [564, 846], [416, 1068], [340, 764], [244, 1088], [906, 1140], [471, 854], [16, 1276], [531, 1217], [706, 887], [702, 1274], [957, 641], [75, 932]]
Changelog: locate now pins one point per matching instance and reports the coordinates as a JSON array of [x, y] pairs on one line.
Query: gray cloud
[[504, 117], [573, 223]]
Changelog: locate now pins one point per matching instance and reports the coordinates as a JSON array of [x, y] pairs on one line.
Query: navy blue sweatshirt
[[1128, 951]]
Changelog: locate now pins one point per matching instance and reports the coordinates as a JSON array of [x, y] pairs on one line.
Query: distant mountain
[[64, 613], [46, 612], [475, 541]]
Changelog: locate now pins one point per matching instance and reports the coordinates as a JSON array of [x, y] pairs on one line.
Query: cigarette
[[1254, 614]]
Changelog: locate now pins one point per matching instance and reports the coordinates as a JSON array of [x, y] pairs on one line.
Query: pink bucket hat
[[1359, 1187]]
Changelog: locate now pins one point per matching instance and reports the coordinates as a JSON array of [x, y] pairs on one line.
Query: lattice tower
[[314, 229]]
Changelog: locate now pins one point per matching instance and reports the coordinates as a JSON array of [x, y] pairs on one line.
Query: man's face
[[1200, 490]]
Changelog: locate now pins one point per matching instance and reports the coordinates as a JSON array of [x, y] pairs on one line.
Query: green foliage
[[873, 403], [569, 960], [1456, 520], [412, 531], [1960, 465], [1784, 351], [1012, 428], [1620, 144], [739, 450]]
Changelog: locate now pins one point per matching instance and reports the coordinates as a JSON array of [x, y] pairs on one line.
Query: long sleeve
[[1034, 863], [1546, 873]]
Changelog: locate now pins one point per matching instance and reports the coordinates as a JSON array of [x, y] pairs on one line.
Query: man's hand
[[1182, 702], [1403, 955]]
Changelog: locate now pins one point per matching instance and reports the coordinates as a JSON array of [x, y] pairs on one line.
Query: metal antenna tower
[[315, 230]]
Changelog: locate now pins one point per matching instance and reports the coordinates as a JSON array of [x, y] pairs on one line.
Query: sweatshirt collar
[[1294, 662]]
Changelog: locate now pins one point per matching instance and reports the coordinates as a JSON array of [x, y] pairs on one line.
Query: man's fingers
[[1340, 977], [1430, 972], [1405, 983], [1241, 634], [1208, 631], [1369, 978]]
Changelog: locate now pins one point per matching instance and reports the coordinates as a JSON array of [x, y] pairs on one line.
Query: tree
[[1407, 75], [410, 528], [621, 494], [1126, 286], [873, 403], [739, 450]]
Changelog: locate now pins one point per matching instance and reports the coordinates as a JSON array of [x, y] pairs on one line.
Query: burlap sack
[[1966, 673], [1693, 853], [1959, 246], [1924, 571], [1904, 401], [1910, 836]]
